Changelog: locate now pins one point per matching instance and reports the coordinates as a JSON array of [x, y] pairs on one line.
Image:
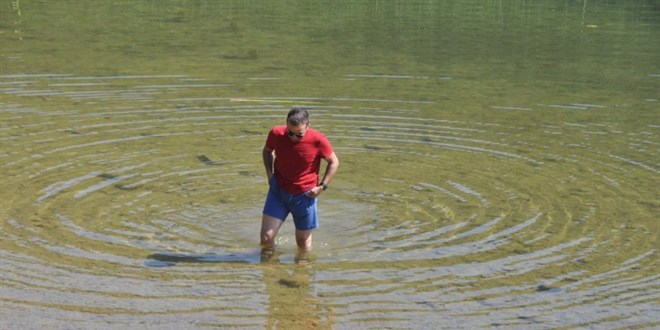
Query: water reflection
[[292, 303]]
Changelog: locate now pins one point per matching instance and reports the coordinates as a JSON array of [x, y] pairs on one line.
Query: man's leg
[[270, 226], [304, 240], [273, 216], [305, 219]]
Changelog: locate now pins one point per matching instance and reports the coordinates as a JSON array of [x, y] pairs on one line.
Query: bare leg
[[304, 240], [270, 226]]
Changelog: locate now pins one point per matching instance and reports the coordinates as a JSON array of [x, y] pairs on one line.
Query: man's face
[[296, 132]]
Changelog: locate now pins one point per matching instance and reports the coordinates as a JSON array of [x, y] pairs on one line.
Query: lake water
[[499, 163]]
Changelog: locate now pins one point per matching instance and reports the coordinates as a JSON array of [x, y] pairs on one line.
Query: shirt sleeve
[[325, 148], [270, 140]]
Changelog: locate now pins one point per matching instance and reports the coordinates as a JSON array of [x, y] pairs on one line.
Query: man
[[292, 158]]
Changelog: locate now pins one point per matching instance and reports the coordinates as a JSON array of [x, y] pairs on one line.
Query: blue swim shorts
[[280, 203]]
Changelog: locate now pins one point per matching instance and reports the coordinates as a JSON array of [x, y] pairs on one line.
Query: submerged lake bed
[[499, 163]]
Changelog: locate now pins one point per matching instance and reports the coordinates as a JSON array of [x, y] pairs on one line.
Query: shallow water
[[499, 164]]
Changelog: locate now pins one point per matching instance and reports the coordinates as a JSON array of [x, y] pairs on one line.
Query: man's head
[[297, 122], [298, 116]]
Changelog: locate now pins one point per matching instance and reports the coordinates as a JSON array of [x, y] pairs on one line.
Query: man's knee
[[269, 228], [267, 240], [267, 236], [304, 239]]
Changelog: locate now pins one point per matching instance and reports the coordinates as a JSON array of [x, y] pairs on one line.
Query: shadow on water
[[170, 259], [207, 161], [265, 256]]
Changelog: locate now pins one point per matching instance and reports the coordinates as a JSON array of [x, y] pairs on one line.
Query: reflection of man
[[291, 283], [292, 158]]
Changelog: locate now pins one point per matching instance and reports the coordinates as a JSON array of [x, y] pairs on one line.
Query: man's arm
[[330, 170], [268, 157]]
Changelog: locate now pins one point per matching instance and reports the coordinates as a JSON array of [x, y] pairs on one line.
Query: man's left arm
[[330, 170]]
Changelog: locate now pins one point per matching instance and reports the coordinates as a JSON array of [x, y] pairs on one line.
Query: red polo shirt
[[297, 164]]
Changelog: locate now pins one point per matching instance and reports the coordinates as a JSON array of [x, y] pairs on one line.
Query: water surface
[[499, 163]]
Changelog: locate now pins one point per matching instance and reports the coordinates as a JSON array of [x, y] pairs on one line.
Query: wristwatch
[[325, 186]]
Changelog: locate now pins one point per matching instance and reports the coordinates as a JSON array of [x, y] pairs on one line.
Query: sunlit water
[[499, 164]]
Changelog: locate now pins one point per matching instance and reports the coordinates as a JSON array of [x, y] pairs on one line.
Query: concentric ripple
[[137, 199]]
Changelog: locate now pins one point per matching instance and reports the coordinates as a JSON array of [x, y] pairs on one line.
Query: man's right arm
[[268, 158]]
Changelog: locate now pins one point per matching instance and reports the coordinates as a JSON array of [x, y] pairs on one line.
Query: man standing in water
[[292, 158]]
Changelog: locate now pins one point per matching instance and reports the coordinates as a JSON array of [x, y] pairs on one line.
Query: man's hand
[[315, 192]]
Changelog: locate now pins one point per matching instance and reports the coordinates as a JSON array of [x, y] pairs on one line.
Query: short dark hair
[[298, 116]]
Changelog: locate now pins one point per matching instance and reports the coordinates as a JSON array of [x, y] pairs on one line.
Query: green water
[[499, 163]]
